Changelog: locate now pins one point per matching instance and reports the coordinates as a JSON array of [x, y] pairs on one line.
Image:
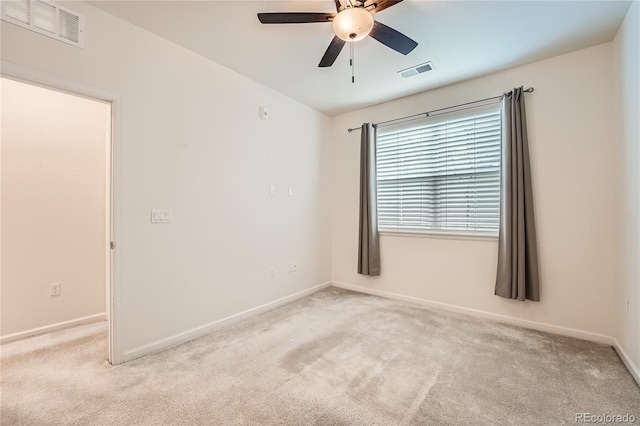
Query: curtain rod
[[351, 129]]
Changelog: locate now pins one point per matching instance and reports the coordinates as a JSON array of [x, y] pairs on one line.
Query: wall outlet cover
[[54, 289]]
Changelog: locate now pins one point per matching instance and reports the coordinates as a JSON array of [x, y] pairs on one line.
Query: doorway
[[56, 210]]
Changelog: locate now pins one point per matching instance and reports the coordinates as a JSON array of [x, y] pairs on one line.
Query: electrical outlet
[[272, 272], [54, 289]]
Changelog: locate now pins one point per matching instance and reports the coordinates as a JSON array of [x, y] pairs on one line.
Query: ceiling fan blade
[[294, 17], [379, 5], [392, 38], [334, 49]]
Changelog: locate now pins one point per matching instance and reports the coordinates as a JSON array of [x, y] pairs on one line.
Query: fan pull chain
[[351, 61]]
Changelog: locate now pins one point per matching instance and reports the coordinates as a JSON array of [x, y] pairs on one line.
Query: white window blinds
[[441, 173]]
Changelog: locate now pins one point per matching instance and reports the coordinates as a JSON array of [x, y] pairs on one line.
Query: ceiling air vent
[[415, 70], [47, 18]]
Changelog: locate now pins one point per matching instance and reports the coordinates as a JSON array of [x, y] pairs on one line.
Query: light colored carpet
[[333, 358]]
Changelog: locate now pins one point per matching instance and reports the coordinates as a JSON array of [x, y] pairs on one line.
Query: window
[[441, 173]]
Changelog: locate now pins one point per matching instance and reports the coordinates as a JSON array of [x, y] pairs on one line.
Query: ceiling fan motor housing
[[353, 24]]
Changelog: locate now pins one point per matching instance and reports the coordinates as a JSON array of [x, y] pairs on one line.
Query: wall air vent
[[415, 70], [47, 18]]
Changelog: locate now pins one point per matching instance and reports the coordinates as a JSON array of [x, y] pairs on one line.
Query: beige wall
[[627, 76], [572, 139], [53, 206], [191, 141]]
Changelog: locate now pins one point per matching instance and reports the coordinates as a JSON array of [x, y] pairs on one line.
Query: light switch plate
[[161, 216]]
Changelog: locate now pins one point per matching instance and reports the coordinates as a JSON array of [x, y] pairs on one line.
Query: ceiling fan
[[352, 22]]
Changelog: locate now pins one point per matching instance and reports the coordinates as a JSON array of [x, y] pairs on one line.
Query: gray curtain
[[518, 276], [368, 244]]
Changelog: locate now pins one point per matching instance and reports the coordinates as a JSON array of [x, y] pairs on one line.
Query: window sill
[[441, 235]]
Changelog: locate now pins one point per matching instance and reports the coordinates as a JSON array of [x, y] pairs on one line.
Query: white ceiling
[[463, 39]]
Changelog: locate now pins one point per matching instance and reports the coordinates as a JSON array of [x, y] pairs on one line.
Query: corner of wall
[[626, 61]]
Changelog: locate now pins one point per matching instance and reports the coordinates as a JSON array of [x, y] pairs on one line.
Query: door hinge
[[113, 245]]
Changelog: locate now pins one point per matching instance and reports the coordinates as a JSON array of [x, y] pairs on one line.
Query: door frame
[[112, 275]]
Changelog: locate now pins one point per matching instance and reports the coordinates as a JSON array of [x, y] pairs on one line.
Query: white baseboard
[[52, 328], [565, 331], [194, 333], [626, 359]]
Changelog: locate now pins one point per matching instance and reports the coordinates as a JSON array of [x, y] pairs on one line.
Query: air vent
[[47, 18], [418, 69]]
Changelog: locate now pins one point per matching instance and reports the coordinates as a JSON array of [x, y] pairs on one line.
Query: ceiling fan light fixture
[[353, 24]]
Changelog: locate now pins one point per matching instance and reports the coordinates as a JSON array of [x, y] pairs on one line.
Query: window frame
[[494, 105]]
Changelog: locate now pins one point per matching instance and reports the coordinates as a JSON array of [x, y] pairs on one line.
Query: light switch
[[161, 216], [290, 191]]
